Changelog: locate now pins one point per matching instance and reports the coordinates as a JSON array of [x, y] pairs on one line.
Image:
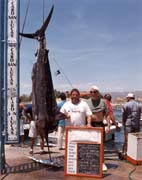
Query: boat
[[111, 135], [53, 137]]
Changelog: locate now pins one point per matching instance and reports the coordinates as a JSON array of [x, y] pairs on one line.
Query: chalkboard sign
[[88, 156], [83, 152]]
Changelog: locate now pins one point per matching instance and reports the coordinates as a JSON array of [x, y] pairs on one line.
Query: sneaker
[[104, 167]]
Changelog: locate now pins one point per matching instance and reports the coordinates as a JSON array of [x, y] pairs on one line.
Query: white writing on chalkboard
[[71, 168], [88, 158]]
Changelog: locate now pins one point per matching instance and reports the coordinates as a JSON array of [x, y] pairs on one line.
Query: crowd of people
[[89, 112]]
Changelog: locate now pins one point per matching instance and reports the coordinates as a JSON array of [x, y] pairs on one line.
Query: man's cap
[[131, 95], [94, 88], [107, 96]]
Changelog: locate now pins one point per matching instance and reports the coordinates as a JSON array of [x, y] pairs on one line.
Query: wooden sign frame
[[84, 151]]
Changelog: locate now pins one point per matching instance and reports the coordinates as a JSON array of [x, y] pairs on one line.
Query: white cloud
[[25, 88]]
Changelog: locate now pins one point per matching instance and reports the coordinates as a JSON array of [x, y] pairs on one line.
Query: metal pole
[[2, 153], [18, 63]]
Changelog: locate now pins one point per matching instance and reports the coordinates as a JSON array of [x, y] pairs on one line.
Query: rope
[[28, 4], [130, 173]]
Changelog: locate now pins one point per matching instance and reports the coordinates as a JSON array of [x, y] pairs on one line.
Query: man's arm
[[88, 115], [124, 116], [28, 117], [63, 110], [108, 123], [107, 118], [89, 120]]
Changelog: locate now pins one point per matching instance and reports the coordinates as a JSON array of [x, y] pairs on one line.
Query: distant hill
[[115, 95]]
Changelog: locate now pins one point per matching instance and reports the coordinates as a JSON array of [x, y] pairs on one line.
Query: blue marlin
[[44, 107]]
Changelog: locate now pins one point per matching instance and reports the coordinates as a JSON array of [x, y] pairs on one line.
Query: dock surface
[[20, 167]]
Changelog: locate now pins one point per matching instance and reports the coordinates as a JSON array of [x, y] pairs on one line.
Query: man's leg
[[59, 137], [22, 140], [61, 131], [32, 141], [32, 135], [41, 141]]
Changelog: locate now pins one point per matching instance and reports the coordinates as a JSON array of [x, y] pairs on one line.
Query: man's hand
[[67, 115], [107, 129], [89, 125], [89, 120]]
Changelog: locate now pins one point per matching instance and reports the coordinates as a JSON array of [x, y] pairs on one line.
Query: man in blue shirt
[[33, 130], [61, 124]]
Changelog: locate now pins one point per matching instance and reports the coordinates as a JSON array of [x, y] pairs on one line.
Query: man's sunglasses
[[93, 92]]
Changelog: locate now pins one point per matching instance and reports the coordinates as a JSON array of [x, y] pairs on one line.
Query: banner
[[12, 129]]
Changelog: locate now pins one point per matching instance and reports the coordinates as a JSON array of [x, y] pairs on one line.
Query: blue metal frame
[[5, 67], [2, 152], [18, 65], [3, 76]]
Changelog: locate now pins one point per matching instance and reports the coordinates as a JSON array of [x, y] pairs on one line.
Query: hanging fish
[[44, 106]]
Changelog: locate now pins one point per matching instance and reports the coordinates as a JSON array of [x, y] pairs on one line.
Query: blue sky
[[92, 42]]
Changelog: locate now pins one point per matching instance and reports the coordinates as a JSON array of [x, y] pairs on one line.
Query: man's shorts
[[21, 127], [32, 130], [99, 124]]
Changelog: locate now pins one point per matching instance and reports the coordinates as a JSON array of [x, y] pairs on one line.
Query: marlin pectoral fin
[[41, 31]]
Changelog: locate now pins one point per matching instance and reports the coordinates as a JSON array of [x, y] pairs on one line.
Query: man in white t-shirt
[[77, 111]]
